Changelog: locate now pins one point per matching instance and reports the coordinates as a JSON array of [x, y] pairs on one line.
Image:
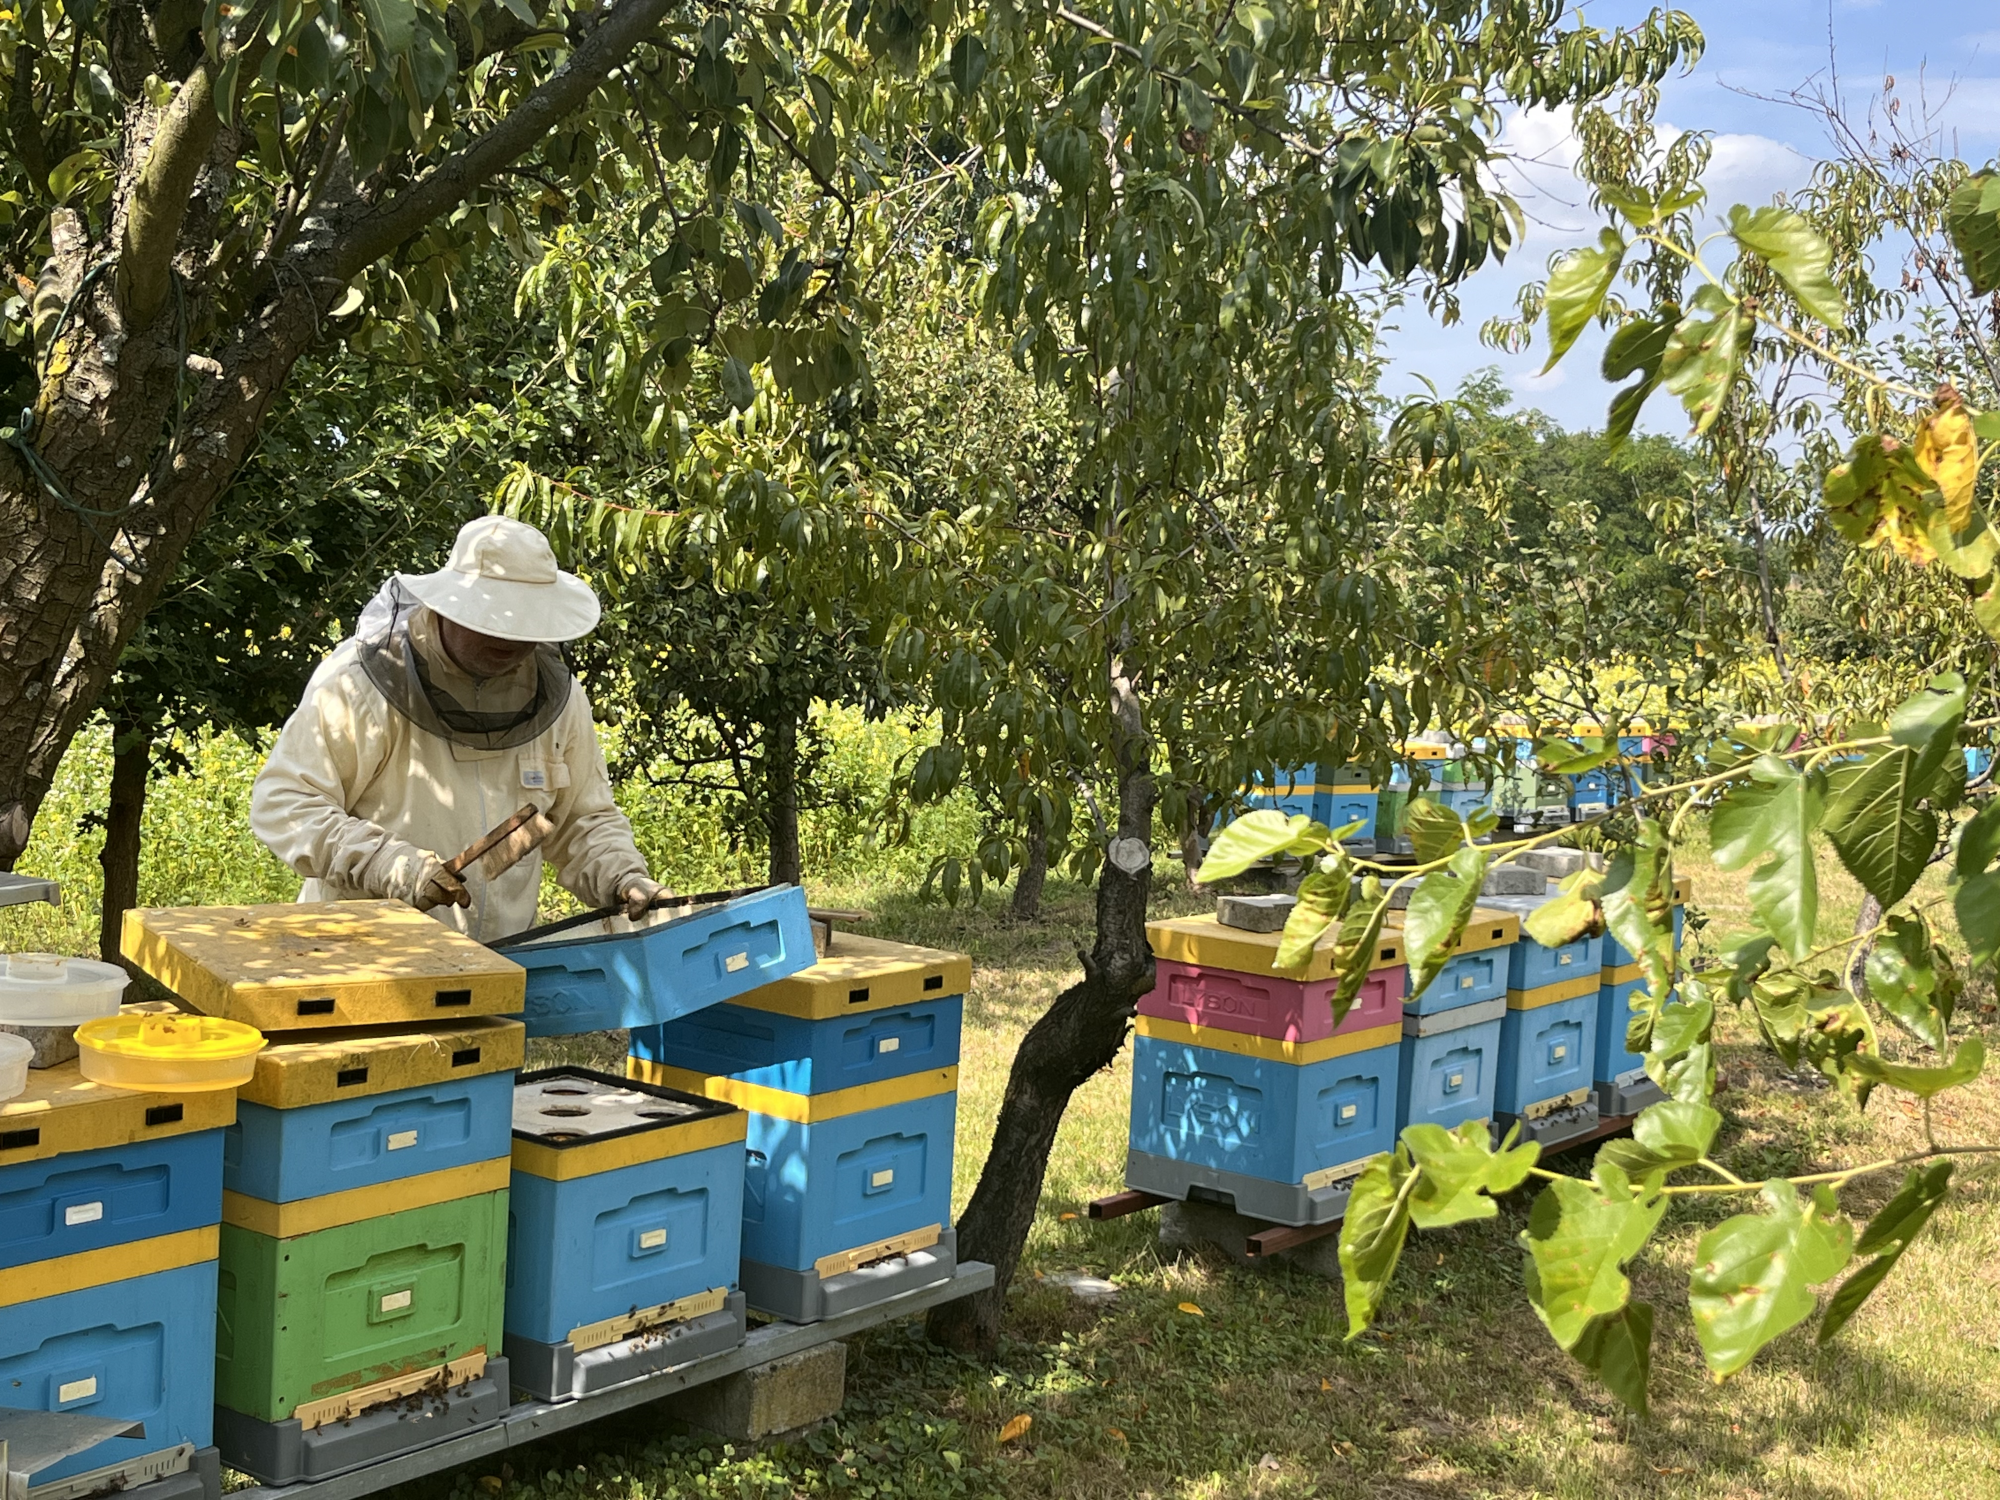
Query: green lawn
[[1456, 1393]]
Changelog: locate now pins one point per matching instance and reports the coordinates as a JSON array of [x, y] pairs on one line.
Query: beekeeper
[[449, 708]]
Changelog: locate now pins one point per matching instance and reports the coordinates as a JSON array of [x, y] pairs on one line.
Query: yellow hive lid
[[1683, 889], [314, 964], [1486, 928], [357, 1062], [62, 1111], [859, 974], [1205, 941]]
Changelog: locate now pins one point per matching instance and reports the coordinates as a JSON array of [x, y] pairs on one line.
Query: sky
[[1944, 52]]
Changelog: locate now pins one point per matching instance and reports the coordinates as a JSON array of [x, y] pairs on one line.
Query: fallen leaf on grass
[[1189, 1307], [1016, 1427], [490, 1483], [1116, 1432], [1674, 1469], [1325, 1384], [1065, 1218], [1344, 1449], [1269, 1463]]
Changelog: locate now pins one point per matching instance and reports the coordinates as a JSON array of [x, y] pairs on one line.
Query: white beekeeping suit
[[399, 756]]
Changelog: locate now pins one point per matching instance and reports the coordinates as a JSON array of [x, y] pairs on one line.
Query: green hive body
[[302, 1319]]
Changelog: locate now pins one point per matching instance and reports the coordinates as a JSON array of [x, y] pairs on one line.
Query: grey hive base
[[1628, 1095], [200, 1480], [803, 1297], [1254, 1197], [1552, 1130], [556, 1372], [284, 1453]]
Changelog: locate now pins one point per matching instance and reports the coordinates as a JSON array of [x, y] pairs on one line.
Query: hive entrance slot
[[453, 997], [857, 997], [323, 1007], [934, 981], [165, 1114], [15, 1140], [465, 1057], [347, 1078]]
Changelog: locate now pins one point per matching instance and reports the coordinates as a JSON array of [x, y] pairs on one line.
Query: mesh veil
[[398, 669]]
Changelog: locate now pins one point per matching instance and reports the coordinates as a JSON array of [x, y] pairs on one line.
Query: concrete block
[[1210, 1227], [1556, 864], [1514, 880], [1255, 913], [52, 1044], [771, 1400]]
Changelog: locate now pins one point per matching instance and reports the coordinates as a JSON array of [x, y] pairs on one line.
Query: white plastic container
[[46, 989], [14, 1055]]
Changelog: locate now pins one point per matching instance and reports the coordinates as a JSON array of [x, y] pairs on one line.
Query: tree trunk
[[1194, 821], [781, 801], [1076, 1038], [1027, 902], [131, 765]]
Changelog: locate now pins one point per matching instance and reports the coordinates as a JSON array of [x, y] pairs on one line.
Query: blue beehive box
[[624, 1230], [1548, 1049], [1449, 1066], [618, 976], [1277, 1126], [91, 1200], [357, 1109], [1477, 970], [138, 1349], [868, 1010], [1620, 1074], [1337, 806]]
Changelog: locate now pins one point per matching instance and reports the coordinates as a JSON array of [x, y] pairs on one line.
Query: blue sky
[[1947, 49]]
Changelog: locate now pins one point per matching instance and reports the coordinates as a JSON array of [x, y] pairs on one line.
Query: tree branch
[[161, 196], [382, 228]]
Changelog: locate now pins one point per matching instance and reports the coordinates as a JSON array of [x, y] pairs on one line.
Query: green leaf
[[1705, 353], [1973, 218], [1439, 909], [1254, 836], [1637, 346], [1567, 917], [1979, 841], [1434, 830], [392, 25], [1903, 1217], [1618, 1349], [1576, 291], [1460, 1172], [1875, 825], [1754, 1273], [1902, 980], [1928, 722], [1769, 821], [968, 63], [1579, 1236], [1966, 1064], [1665, 1136], [1638, 902], [1322, 901], [1783, 239], [1976, 904], [1681, 1059], [1372, 1235], [1354, 951], [1563, 758]]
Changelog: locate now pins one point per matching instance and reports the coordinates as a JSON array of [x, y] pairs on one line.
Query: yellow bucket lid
[[170, 1038]]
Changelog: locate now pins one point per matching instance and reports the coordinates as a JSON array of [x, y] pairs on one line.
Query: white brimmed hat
[[502, 580]]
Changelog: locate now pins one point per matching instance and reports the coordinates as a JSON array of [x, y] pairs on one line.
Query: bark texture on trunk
[[1077, 1037], [1026, 905], [131, 767], [781, 801]]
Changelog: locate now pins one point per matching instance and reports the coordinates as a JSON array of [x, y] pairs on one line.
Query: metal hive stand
[[529, 1421]]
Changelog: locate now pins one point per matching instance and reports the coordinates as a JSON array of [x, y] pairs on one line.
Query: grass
[[1457, 1391]]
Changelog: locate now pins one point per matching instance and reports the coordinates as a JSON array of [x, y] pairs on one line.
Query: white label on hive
[[882, 1178], [889, 1044], [397, 1301], [1349, 1111], [736, 963], [1468, 982], [83, 1213], [652, 1239], [1561, 1053], [1563, 958], [1454, 1081], [401, 1138], [76, 1390]]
